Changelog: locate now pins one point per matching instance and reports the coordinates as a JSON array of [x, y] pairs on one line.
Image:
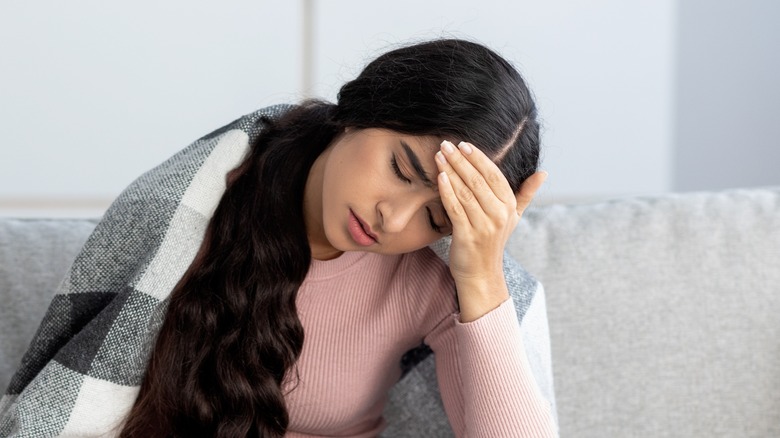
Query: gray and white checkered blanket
[[82, 371]]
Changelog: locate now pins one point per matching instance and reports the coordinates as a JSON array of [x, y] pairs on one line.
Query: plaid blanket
[[82, 371]]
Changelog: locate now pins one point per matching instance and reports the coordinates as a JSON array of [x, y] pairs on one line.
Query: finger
[[455, 211], [473, 190], [489, 171], [463, 199], [528, 190], [477, 210]]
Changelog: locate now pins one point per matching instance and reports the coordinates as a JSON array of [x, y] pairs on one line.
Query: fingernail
[[545, 173], [443, 177], [448, 147], [440, 158], [465, 147]]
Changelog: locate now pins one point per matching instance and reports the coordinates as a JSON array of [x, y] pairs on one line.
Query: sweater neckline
[[319, 269]]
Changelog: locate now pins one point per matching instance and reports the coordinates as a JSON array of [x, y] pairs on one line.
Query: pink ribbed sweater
[[362, 311]]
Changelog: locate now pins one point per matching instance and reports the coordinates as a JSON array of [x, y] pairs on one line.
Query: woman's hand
[[483, 211]]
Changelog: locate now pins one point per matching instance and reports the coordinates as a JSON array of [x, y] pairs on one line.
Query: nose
[[395, 215]]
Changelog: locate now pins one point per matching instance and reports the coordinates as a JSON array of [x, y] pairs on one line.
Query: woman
[[314, 276]]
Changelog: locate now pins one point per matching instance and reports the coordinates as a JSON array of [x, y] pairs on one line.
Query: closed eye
[[436, 227], [441, 229], [397, 170]]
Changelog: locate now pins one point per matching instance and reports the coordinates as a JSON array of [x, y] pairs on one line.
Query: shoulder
[[253, 123]]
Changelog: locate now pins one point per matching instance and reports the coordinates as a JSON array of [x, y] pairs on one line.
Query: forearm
[[500, 394]]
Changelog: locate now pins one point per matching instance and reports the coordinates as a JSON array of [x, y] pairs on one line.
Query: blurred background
[[637, 98]]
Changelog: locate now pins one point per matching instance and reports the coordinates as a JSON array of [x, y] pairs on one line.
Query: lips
[[365, 227], [360, 231]]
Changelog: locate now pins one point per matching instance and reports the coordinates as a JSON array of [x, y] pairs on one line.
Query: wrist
[[478, 297]]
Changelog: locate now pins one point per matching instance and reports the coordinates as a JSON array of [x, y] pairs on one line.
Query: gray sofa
[[664, 311]]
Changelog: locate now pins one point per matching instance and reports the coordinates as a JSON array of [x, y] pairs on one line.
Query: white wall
[[727, 102], [93, 94]]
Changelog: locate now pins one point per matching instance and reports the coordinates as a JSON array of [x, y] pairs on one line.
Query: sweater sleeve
[[485, 379]]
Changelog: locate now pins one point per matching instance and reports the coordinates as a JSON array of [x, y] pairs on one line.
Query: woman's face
[[378, 194]]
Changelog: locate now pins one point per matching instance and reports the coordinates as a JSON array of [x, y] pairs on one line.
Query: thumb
[[528, 190]]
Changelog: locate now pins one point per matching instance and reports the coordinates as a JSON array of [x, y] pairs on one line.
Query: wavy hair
[[231, 334]]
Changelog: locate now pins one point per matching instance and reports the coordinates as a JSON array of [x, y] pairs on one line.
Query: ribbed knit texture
[[361, 312]]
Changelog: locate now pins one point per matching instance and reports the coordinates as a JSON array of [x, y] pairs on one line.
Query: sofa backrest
[[664, 313], [35, 254], [663, 310]]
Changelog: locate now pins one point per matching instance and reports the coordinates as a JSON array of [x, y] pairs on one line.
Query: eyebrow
[[416, 165]]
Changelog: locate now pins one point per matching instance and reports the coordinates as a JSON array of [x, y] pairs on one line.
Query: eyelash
[[397, 171], [433, 224], [402, 177]]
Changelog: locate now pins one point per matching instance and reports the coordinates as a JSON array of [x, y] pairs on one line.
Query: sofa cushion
[[663, 312]]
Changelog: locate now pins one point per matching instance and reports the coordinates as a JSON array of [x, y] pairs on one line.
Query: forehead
[[421, 144]]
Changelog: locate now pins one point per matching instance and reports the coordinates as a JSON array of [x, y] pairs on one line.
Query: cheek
[[418, 237]]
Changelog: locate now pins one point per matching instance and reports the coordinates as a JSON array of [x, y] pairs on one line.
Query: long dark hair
[[231, 334]]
